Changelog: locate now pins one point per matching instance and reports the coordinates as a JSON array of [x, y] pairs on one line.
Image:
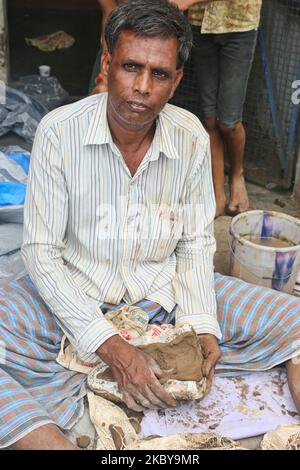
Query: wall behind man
[[55, 4], [3, 43]]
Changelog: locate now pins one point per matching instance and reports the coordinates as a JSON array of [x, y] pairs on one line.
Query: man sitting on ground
[[120, 210]]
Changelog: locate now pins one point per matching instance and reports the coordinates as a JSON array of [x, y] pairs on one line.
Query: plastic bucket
[[265, 265]]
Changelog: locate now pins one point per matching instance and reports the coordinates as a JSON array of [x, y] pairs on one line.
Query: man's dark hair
[[150, 18]]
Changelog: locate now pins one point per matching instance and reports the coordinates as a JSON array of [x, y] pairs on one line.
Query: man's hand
[[211, 353], [137, 375]]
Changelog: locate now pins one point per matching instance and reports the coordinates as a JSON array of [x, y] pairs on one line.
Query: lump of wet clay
[[182, 354]]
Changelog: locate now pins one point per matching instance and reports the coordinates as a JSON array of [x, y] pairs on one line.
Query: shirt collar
[[98, 132], [163, 138]]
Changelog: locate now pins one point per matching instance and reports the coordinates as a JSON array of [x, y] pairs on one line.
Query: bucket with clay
[[265, 249]]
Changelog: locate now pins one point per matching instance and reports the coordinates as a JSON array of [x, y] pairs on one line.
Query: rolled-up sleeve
[[45, 222], [194, 280]]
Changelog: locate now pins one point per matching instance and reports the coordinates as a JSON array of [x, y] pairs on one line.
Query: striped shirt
[[93, 233]]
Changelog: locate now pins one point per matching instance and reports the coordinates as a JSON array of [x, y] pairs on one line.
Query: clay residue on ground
[[279, 381]]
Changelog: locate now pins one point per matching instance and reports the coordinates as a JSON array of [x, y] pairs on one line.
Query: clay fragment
[[117, 435], [83, 441]]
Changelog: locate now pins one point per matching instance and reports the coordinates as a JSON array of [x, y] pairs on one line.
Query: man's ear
[[178, 77], [105, 62]]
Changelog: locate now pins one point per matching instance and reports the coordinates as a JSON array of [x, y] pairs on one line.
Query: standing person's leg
[[205, 55], [236, 57], [217, 160]]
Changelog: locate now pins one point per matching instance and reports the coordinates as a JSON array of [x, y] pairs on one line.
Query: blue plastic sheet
[[12, 194], [23, 159]]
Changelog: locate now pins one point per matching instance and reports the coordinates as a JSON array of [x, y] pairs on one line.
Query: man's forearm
[[185, 4], [194, 281]]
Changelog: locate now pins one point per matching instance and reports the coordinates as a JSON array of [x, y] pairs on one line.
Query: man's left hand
[[211, 353]]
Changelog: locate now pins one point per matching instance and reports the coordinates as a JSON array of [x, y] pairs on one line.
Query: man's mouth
[[137, 107]]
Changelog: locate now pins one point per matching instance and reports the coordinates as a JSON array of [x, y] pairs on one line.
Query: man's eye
[[159, 74], [130, 67]]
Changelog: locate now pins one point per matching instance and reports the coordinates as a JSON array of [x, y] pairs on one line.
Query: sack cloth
[[115, 432], [286, 437]]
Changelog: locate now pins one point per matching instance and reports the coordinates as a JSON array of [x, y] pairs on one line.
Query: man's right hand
[[137, 375]]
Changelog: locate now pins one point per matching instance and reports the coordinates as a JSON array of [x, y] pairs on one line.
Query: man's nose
[[143, 82]]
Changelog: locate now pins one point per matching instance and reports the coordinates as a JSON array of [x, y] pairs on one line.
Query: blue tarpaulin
[[23, 159], [12, 192]]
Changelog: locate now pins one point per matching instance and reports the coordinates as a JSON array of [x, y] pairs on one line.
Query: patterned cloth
[[261, 328], [228, 16]]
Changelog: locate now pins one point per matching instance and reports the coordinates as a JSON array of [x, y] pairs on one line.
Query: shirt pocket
[[161, 232]]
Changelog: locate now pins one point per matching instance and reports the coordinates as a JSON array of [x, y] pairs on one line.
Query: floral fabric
[[226, 16]]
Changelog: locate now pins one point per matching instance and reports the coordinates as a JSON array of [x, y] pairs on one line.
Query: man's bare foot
[[239, 201], [46, 437]]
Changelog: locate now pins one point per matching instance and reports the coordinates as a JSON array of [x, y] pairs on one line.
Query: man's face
[[142, 77]]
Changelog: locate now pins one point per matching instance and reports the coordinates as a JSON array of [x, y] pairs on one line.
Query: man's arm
[[194, 280], [107, 6], [45, 221], [185, 4]]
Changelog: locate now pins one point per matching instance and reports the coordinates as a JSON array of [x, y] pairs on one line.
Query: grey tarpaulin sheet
[[11, 263], [19, 113]]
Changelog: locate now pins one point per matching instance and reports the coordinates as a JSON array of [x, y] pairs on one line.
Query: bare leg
[[235, 139], [47, 437], [217, 155], [293, 375]]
